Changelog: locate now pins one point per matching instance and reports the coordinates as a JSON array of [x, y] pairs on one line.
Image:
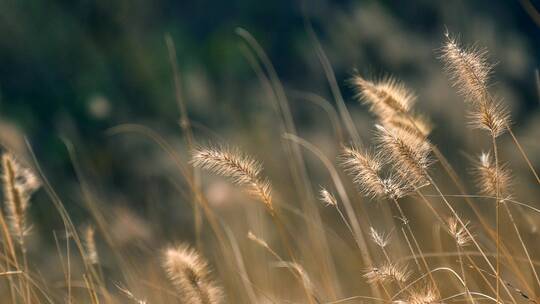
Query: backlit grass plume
[[409, 154], [240, 168], [386, 97], [189, 273], [387, 273], [493, 117], [489, 176], [365, 170], [468, 68], [19, 183]]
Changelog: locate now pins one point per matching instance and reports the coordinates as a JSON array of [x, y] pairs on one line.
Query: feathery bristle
[[488, 177], [90, 245], [386, 97], [327, 197], [378, 238], [458, 232], [240, 168], [19, 184], [189, 272], [426, 295], [492, 116], [417, 125], [257, 240], [409, 154], [468, 68], [387, 273], [364, 168]]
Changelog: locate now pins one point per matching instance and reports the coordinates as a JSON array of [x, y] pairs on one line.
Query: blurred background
[[70, 70]]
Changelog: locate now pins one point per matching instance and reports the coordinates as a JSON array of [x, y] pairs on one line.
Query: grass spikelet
[[426, 295], [493, 117], [387, 273], [458, 232], [90, 245], [240, 168], [409, 154], [489, 176], [386, 97], [327, 198], [19, 184], [378, 238], [417, 125], [365, 169], [189, 272], [468, 68]]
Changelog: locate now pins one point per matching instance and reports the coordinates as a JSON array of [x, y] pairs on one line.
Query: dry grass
[[431, 248]]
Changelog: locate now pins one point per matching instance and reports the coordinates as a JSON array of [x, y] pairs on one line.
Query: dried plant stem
[[185, 125], [9, 252], [407, 224], [523, 154], [473, 239], [512, 220], [497, 214], [460, 257]]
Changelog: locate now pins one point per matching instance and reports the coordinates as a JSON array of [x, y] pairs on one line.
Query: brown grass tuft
[[189, 272]]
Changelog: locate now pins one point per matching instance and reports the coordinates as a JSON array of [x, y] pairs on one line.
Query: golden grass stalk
[[469, 69], [491, 179], [388, 272], [408, 153], [90, 245], [365, 171], [240, 168], [190, 274], [385, 97], [19, 183]]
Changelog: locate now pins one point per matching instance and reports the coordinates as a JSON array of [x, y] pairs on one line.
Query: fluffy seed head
[[364, 168], [458, 232], [468, 68], [492, 116], [378, 238], [327, 197], [416, 125], [240, 168], [426, 295], [386, 97], [19, 183], [189, 273], [90, 245], [408, 153], [488, 177], [387, 273]]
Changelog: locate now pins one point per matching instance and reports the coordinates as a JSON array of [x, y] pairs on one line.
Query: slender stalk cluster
[[388, 273], [489, 177], [240, 168], [19, 183], [190, 274]]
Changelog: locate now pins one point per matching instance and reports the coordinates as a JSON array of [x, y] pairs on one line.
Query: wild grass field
[[373, 212]]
